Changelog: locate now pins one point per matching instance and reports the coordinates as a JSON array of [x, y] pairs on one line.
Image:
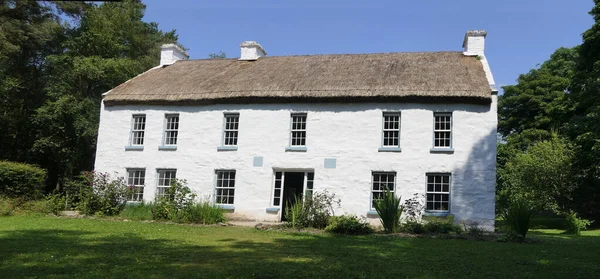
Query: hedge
[[20, 180]]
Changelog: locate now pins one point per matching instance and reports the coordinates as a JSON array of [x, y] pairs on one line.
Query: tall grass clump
[[137, 212], [574, 224], [295, 213], [389, 210], [518, 215], [203, 212]]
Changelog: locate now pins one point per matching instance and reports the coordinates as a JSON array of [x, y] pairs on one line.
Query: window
[[138, 126], [165, 177], [391, 129], [310, 177], [442, 132], [225, 189], [230, 131], [171, 129], [136, 179], [381, 182], [438, 192], [278, 188], [298, 131]]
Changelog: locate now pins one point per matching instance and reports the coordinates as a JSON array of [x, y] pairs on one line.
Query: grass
[[52, 247]]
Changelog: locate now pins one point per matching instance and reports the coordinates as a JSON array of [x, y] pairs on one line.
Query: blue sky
[[521, 33]]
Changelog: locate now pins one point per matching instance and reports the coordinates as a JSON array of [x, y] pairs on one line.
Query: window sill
[[168, 147], [229, 207], [389, 149], [436, 214], [372, 213], [296, 149], [227, 148], [442, 150], [273, 209], [134, 148]]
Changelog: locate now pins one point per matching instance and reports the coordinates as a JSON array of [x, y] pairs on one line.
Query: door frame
[[283, 171]]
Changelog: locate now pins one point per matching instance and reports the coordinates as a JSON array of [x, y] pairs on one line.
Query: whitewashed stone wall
[[349, 133]]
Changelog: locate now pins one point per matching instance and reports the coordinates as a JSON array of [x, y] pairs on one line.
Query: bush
[[442, 226], [201, 213], [389, 210], [518, 215], [574, 224], [96, 194], [18, 180], [314, 211], [176, 198], [348, 224], [138, 212], [414, 227]]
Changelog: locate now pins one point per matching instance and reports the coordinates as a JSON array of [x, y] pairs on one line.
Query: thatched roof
[[441, 76]]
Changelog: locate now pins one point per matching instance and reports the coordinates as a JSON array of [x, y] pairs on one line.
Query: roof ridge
[[330, 54]]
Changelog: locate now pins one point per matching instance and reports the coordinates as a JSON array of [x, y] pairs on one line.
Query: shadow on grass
[[70, 253]]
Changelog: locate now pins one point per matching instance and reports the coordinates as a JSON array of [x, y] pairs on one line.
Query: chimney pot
[[170, 53], [251, 50]]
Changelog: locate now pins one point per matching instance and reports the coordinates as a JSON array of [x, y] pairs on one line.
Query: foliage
[[441, 225], [177, 197], [389, 210], [510, 236], [348, 224], [137, 212], [414, 207], [312, 211], [518, 215], [21, 206], [411, 226], [18, 180], [203, 212], [541, 175], [574, 224], [219, 55], [94, 193]]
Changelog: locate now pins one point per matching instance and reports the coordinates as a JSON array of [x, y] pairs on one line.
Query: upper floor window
[[382, 181], [438, 193], [165, 177], [136, 180], [230, 130], [138, 126], [442, 131], [391, 129], [225, 188], [171, 129], [298, 130]]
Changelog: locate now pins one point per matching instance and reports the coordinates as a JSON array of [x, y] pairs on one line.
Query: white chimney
[[169, 53], [474, 43], [251, 50]]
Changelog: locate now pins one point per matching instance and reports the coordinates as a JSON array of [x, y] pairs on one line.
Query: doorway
[[293, 184]]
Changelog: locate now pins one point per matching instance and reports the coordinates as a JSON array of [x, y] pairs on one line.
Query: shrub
[[510, 236], [414, 227], [389, 210], [201, 213], [176, 198], [138, 212], [441, 226], [21, 180], [348, 224], [574, 224], [314, 211], [518, 215], [93, 194], [474, 229]]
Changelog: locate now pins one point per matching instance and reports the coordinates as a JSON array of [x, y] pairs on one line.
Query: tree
[[542, 175], [220, 55]]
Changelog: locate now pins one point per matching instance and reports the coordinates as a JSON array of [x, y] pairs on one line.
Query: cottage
[[251, 133]]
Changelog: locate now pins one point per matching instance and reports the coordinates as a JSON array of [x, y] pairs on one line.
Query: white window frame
[[136, 130], [138, 189], [227, 129], [442, 114], [308, 184], [223, 188], [168, 130], [380, 190], [441, 192], [298, 130], [384, 129], [160, 189]]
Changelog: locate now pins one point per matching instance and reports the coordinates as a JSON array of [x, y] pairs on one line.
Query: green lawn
[[40, 246]]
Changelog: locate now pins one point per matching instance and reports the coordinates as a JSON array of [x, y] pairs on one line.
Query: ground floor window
[[165, 177], [380, 182], [438, 192], [136, 180], [225, 187]]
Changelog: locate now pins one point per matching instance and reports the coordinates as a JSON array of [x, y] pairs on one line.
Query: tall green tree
[[110, 45]]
